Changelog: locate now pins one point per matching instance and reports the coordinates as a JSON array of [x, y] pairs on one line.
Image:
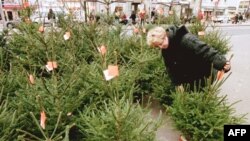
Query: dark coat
[[133, 17], [51, 15], [189, 59]]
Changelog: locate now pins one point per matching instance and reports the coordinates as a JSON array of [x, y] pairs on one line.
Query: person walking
[[51, 17], [133, 17], [240, 18], [123, 19], [142, 15], [153, 15], [117, 14], [236, 19]]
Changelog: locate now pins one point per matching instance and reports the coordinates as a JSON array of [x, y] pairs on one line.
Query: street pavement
[[237, 86]]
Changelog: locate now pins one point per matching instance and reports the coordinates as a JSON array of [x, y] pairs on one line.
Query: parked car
[[12, 18], [41, 16], [12, 23], [221, 19]]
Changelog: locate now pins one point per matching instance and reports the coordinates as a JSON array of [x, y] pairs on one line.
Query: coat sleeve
[[202, 50]]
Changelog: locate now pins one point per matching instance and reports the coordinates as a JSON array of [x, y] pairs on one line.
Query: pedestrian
[[123, 19], [51, 17], [240, 18], [142, 15], [200, 16], [236, 19], [153, 15], [188, 60], [117, 15], [247, 15], [133, 17]]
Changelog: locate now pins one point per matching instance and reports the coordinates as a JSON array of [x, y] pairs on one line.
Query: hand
[[227, 66]]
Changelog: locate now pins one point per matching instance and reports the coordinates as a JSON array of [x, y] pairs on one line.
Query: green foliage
[[25, 13], [79, 103], [2, 40], [197, 26], [218, 41], [7, 119], [172, 19], [78, 82], [200, 116], [10, 83], [3, 60], [107, 19], [118, 119], [213, 38], [45, 136]]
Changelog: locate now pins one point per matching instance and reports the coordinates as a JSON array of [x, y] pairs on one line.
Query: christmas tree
[[86, 81]]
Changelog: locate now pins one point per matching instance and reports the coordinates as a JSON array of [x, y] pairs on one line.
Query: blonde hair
[[156, 35]]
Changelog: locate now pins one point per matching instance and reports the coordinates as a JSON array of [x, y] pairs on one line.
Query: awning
[[184, 2], [12, 6], [118, 1], [136, 1], [231, 8], [164, 1], [208, 10], [161, 3], [220, 9], [217, 10], [26, 4]]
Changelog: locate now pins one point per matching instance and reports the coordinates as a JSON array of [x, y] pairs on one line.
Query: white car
[[41, 16], [12, 23], [221, 19]]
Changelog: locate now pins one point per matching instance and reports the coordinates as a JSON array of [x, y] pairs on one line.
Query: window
[[10, 15]]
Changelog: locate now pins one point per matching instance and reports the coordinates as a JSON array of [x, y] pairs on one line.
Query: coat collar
[[175, 32]]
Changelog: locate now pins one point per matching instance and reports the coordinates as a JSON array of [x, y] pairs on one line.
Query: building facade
[[182, 7], [244, 6], [11, 9], [218, 7]]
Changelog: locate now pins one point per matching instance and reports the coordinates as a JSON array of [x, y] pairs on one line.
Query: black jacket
[[189, 59]]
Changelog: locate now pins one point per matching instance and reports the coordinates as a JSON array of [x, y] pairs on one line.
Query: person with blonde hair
[[188, 60], [156, 37]]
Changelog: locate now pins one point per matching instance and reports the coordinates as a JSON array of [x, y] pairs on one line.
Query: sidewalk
[[247, 23], [211, 24], [232, 25]]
